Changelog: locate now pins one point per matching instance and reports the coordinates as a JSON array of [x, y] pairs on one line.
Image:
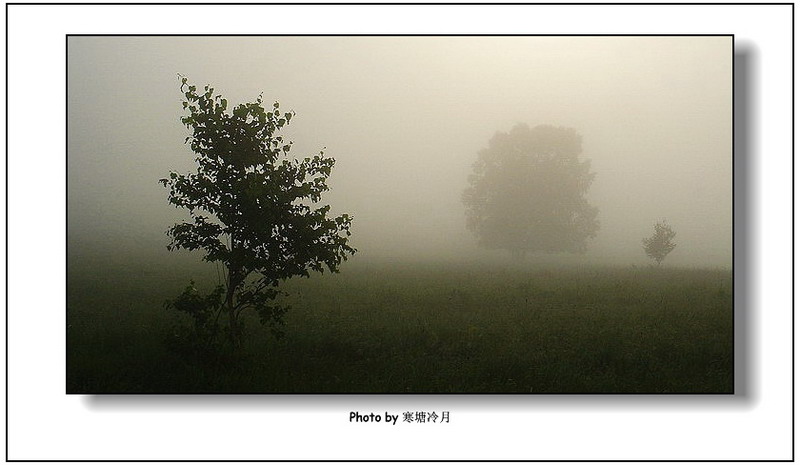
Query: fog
[[405, 117]]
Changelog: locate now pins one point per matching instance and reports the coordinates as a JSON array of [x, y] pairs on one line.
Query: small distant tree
[[253, 209], [660, 243], [528, 191]]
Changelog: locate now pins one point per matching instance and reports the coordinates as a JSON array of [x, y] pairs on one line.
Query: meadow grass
[[383, 327]]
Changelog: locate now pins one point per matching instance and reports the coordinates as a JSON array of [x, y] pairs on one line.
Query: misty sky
[[404, 117]]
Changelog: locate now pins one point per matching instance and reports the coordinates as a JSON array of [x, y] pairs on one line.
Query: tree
[[253, 209], [660, 243], [527, 192]]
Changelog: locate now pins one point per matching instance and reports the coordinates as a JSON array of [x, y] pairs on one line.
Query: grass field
[[415, 328]]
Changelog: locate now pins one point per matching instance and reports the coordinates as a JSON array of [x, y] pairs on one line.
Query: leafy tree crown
[[527, 192], [660, 243], [252, 207]]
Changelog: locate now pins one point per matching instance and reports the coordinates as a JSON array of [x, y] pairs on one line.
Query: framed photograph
[[400, 214]]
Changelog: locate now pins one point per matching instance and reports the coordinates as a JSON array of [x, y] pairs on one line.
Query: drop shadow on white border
[[745, 241]]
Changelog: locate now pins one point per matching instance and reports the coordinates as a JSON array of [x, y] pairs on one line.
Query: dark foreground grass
[[417, 328]]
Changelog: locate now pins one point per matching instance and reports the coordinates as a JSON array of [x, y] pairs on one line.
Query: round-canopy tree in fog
[[527, 192], [660, 243], [252, 208]]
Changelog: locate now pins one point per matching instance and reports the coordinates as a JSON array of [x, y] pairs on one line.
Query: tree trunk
[[234, 279], [234, 329]]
